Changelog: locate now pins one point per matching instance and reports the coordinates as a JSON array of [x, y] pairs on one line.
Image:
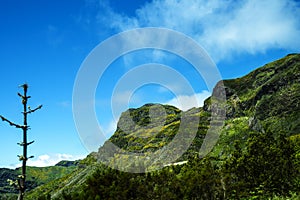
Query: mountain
[[36, 176], [67, 163], [256, 155], [265, 99]]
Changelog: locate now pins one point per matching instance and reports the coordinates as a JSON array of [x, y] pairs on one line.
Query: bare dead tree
[[20, 183]]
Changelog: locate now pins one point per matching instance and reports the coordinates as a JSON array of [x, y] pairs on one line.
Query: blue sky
[[45, 42]]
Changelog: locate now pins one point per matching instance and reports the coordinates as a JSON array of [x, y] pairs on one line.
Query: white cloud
[[185, 102], [49, 160], [223, 28]]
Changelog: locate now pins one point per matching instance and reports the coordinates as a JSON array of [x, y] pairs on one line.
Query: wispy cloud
[[223, 28], [186, 102], [65, 104], [54, 36]]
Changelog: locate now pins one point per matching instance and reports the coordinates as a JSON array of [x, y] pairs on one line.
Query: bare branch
[[25, 86], [21, 157], [22, 143], [10, 122], [30, 157], [21, 95], [31, 111]]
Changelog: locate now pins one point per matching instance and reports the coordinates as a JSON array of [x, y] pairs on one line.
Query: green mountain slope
[[36, 176], [265, 99], [257, 154], [149, 137]]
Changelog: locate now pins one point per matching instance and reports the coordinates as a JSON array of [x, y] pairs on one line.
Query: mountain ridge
[[260, 106]]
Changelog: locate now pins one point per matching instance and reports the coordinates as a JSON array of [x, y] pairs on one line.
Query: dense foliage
[[267, 168]]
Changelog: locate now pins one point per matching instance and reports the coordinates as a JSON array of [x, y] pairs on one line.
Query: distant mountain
[[67, 163], [257, 154], [36, 176]]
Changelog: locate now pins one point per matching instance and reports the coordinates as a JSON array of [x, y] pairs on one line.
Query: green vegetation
[[36, 176], [257, 155], [266, 169]]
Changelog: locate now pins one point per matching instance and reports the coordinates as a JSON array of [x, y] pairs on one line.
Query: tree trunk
[[22, 178]]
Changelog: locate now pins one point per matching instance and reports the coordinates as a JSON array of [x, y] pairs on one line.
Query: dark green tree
[[20, 183], [266, 167]]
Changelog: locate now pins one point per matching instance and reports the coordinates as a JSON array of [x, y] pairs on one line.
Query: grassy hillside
[[36, 176], [256, 157]]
